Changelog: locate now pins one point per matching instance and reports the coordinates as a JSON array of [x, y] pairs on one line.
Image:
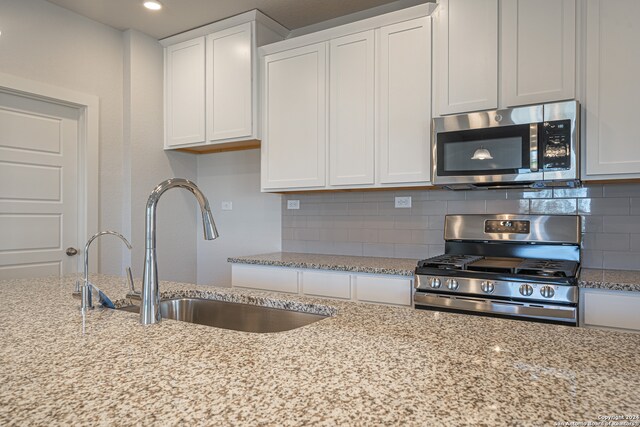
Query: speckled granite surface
[[358, 264], [621, 280], [367, 365], [614, 280]]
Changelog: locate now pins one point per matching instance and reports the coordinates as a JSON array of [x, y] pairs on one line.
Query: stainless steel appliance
[[535, 146], [507, 265]]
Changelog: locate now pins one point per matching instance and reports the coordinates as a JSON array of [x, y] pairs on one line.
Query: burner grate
[[450, 261], [514, 266], [547, 268]]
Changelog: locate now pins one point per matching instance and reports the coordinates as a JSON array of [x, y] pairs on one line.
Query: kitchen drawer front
[[387, 290], [266, 278], [611, 309], [326, 284]]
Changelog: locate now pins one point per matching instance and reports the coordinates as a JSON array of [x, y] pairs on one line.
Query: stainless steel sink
[[230, 315]]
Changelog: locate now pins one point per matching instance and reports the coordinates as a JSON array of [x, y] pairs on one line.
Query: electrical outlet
[[227, 206], [403, 202], [293, 204]]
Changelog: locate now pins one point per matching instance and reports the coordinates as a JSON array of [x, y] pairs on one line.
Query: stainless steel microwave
[[535, 146]]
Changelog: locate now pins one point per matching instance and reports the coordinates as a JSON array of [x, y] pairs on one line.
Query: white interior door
[[38, 187]]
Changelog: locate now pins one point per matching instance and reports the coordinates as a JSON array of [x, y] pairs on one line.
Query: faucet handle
[[132, 294], [86, 295], [77, 290]]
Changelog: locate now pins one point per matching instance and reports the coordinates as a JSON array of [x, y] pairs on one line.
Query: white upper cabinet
[[366, 123], [405, 102], [351, 109], [612, 88], [294, 118], [466, 56], [184, 93], [211, 83], [229, 88], [538, 51]]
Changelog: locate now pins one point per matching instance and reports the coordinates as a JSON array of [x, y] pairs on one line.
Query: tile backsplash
[[367, 223]]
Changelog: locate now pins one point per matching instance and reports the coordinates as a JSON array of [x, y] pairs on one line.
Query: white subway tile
[[605, 206], [411, 251], [553, 206], [378, 249]]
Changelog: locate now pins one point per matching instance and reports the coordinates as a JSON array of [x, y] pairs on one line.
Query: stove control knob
[[526, 290], [434, 282], [452, 284], [547, 291], [487, 287]]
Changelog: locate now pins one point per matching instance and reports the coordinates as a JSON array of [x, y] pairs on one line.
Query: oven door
[[546, 313], [488, 147]]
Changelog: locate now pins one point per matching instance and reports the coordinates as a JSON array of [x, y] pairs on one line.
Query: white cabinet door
[[405, 102], [266, 278], [387, 290], [351, 113], [612, 88], [229, 84], [294, 133], [466, 55], [185, 93], [538, 51], [326, 284], [611, 309]]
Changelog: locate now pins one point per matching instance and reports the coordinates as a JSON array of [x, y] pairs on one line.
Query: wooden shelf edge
[[221, 148], [351, 190]]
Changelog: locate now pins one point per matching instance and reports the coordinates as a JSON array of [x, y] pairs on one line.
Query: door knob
[[71, 251]]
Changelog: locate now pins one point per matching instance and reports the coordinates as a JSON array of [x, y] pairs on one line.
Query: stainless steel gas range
[[507, 265]]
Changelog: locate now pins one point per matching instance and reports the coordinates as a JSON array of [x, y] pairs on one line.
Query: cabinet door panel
[[294, 140], [405, 102], [612, 87], [351, 101], [229, 97], [538, 51], [612, 309], [185, 93], [326, 284], [387, 290], [267, 278], [466, 55]]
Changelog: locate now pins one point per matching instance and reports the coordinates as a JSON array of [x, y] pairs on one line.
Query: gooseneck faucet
[[87, 287], [150, 306]]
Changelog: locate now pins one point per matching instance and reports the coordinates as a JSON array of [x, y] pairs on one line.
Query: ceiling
[[177, 16]]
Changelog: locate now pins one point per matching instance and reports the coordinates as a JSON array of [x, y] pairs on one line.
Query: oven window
[[492, 151]]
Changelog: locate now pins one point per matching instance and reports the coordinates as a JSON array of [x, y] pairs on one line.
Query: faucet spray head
[[209, 226]]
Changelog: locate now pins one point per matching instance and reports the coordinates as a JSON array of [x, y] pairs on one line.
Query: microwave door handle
[[533, 147]]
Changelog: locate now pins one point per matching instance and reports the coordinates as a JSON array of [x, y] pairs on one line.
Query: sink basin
[[230, 315]]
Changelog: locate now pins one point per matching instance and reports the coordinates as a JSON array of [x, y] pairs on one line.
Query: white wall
[[146, 164], [44, 42], [252, 227]]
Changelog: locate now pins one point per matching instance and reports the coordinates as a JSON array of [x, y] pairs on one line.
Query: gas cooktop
[[507, 265]]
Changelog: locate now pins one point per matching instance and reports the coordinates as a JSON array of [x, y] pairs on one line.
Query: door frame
[[88, 107]]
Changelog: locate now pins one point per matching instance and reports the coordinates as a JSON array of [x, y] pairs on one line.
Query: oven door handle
[[533, 147]]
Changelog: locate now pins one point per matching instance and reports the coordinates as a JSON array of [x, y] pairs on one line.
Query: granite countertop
[[357, 264], [364, 365], [613, 280], [620, 280]]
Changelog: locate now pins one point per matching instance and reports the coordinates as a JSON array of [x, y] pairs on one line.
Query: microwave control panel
[[556, 145]]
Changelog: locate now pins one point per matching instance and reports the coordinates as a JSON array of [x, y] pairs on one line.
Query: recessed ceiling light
[[153, 4]]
